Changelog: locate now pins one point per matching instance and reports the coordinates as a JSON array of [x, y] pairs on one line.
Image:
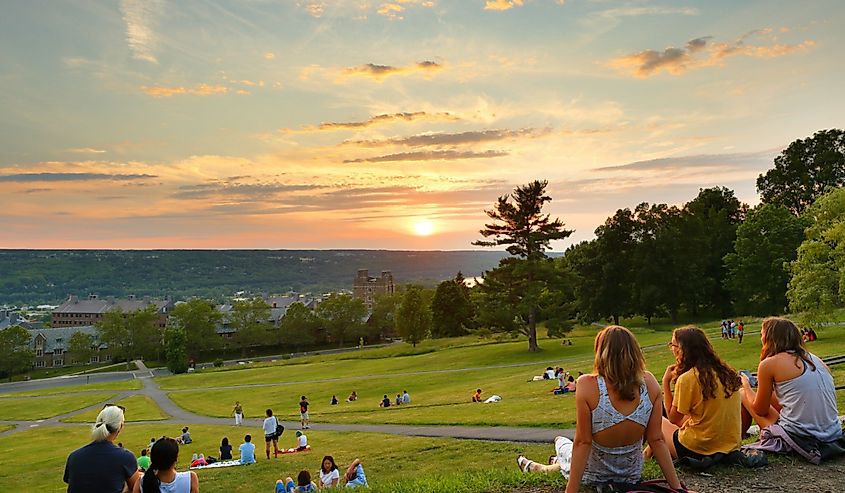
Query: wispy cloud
[[381, 72], [445, 155], [314, 8], [140, 17], [258, 191], [269, 55], [439, 139], [382, 119], [703, 52], [86, 150], [197, 90], [61, 177]]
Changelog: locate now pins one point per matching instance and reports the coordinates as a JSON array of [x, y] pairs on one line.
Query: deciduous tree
[[342, 316], [81, 347], [451, 310], [817, 285], [15, 354], [299, 326], [758, 268], [176, 348], [199, 318], [250, 319], [805, 170], [413, 317]]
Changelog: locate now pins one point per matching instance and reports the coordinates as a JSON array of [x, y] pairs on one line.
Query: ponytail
[[163, 456], [108, 421]]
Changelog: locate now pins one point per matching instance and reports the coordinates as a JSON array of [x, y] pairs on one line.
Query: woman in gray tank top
[[795, 389]]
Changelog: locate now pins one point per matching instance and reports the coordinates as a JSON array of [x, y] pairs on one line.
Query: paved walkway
[[180, 417]]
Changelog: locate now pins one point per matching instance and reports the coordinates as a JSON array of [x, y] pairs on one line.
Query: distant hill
[[48, 276]]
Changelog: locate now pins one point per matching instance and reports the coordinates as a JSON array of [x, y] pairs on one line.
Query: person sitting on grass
[[143, 461], [355, 476], [101, 465], [476, 397], [162, 476], [225, 449], [247, 450], [398, 399], [704, 413], [301, 441], [616, 407], [303, 484], [352, 397], [385, 401], [329, 475], [795, 401], [334, 400], [186, 436]]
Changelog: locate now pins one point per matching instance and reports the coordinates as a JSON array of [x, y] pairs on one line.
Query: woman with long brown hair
[[617, 407], [704, 411], [795, 392]]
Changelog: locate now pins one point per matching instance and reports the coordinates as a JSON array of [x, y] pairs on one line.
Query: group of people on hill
[[708, 407], [103, 466], [403, 398], [733, 330]]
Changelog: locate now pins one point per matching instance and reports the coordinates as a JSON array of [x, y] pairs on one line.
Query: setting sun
[[423, 227]]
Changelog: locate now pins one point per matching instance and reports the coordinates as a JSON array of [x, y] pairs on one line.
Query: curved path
[[181, 417]]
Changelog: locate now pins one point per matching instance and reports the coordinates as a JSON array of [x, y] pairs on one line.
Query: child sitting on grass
[[303, 484]]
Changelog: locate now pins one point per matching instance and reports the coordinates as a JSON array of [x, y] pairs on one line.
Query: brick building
[[367, 288], [78, 313]]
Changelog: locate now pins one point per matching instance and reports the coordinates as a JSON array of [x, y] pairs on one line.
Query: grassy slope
[[36, 458], [441, 398], [122, 385], [138, 408], [46, 407]]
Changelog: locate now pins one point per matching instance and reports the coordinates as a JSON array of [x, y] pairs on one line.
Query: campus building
[[51, 346], [78, 313], [278, 308], [367, 288]]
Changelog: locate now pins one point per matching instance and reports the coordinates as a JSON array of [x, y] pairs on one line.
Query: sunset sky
[[390, 124]]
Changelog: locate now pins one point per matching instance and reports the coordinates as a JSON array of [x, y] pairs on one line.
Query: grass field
[[93, 387], [36, 458], [33, 408], [138, 408], [442, 397], [6, 428]]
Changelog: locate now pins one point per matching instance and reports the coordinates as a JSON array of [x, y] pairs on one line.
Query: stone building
[[367, 288], [51, 347]]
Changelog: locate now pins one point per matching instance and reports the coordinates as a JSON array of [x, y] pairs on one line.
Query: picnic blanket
[[293, 450], [225, 463]]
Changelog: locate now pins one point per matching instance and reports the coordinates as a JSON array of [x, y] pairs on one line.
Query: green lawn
[[121, 385], [25, 409], [138, 408], [443, 398], [6, 428], [36, 458]]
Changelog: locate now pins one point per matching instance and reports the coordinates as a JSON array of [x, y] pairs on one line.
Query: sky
[[390, 124]]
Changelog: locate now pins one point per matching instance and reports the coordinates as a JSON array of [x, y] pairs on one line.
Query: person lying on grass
[[795, 401], [162, 477], [704, 412], [616, 407], [303, 484], [355, 476]]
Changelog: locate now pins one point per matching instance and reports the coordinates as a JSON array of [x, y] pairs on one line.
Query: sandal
[[523, 463]]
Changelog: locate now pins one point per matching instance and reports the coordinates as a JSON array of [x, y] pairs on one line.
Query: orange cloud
[[503, 4], [381, 72], [700, 52], [198, 90], [382, 119]]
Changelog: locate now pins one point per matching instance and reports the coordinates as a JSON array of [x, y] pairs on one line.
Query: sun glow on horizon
[[424, 227]]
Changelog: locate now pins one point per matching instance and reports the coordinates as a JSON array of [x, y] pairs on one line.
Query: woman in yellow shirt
[[705, 410]]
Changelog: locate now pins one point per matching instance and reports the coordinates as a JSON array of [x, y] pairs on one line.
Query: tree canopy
[[805, 170], [413, 317], [15, 354]]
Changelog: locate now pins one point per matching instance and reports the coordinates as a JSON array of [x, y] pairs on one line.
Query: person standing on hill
[[740, 330], [238, 411], [270, 435], [303, 413]]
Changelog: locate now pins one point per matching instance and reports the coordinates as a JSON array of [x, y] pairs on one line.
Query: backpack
[[653, 486]]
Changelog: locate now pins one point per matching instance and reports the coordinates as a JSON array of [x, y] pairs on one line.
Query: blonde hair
[[108, 421], [620, 360]]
